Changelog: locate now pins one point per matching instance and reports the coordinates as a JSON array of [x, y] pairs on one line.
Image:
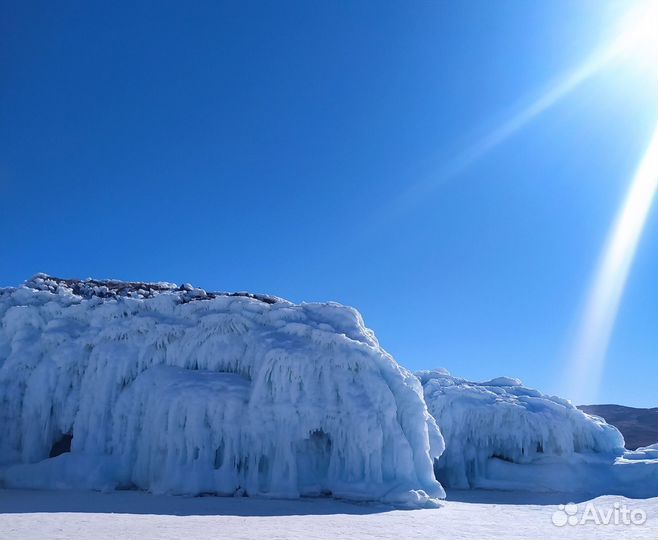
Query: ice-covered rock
[[500, 434], [642, 453], [109, 384]]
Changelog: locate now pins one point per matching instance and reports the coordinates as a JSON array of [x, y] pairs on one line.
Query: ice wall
[[502, 435], [178, 390]]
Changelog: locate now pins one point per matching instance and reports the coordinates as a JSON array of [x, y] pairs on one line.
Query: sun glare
[[638, 35], [637, 42], [586, 366], [634, 41]]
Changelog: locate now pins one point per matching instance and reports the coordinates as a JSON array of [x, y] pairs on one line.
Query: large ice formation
[[500, 434], [109, 384]]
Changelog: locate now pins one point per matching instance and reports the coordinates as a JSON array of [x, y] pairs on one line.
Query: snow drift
[[109, 384], [502, 435]]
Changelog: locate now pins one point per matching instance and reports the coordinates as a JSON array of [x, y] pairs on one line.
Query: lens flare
[[635, 41], [586, 366]]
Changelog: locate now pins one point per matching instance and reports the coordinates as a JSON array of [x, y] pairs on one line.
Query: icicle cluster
[[502, 435], [178, 390]]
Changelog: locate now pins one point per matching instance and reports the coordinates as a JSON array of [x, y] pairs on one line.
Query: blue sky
[[272, 147]]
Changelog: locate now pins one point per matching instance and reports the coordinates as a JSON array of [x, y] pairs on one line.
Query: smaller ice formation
[[173, 389], [502, 435]]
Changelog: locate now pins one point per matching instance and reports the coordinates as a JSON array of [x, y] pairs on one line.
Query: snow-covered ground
[[71, 515]]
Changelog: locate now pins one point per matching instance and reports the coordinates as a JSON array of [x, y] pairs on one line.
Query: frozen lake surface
[[476, 514]]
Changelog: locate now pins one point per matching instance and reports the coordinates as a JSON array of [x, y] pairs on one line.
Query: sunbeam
[[635, 41], [586, 363]]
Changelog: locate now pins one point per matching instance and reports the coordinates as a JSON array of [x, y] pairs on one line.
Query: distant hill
[[638, 426]]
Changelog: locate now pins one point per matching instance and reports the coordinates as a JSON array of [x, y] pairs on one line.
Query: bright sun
[[637, 42], [638, 35]]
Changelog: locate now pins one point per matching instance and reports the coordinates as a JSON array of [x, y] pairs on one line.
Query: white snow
[[502, 435], [473, 514], [180, 391], [642, 453]]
